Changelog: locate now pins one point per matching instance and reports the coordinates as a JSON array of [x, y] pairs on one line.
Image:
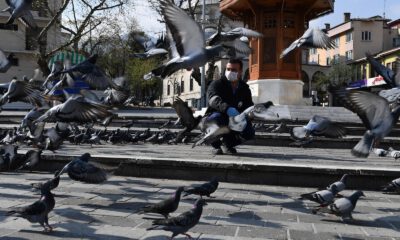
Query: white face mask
[[231, 76]]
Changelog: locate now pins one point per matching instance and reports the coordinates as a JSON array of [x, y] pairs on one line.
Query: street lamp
[[203, 70]]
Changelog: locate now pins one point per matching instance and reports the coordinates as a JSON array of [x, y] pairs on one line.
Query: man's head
[[233, 70]]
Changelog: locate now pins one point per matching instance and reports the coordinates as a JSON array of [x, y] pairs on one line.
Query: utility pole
[[203, 70]]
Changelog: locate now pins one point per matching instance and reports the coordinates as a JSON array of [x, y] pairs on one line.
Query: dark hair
[[236, 61]]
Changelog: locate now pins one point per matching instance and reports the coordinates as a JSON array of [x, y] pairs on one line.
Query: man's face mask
[[231, 76]]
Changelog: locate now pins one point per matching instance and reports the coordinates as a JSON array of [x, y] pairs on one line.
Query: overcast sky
[[147, 18]]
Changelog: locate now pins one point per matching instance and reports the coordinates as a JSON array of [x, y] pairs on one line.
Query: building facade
[[21, 40], [354, 37]]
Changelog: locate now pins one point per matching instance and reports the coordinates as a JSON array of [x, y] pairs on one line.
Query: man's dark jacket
[[220, 96]]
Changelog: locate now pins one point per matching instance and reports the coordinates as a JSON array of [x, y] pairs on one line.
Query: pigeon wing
[[187, 34], [86, 172], [184, 113], [97, 79]]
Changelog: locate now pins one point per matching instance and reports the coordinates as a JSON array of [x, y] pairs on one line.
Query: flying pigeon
[[166, 206], [341, 184], [211, 132], [392, 78], [5, 61], [76, 109], [118, 93], [51, 183], [29, 118], [151, 49], [187, 42], [323, 197], [318, 126], [392, 187], [38, 211], [343, 207], [185, 115], [312, 38], [375, 113], [91, 74], [181, 223], [20, 9], [205, 189], [20, 90], [80, 169]]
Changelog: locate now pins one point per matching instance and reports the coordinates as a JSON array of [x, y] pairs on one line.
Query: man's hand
[[232, 112]]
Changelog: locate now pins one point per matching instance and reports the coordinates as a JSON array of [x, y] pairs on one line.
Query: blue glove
[[232, 112]]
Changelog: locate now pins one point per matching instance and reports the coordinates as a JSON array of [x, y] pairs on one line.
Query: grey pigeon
[[151, 49], [339, 185], [53, 139], [19, 90], [91, 74], [211, 132], [392, 78], [392, 187], [187, 42], [5, 62], [55, 73], [20, 9], [375, 113], [51, 183], [38, 211], [118, 93], [343, 207], [312, 38], [318, 126], [27, 121], [323, 197], [205, 189], [185, 115], [231, 35], [394, 153], [76, 109], [380, 152], [165, 207], [28, 160], [80, 169], [181, 223]]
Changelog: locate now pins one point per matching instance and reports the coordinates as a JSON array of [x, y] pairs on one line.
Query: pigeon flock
[[73, 112]]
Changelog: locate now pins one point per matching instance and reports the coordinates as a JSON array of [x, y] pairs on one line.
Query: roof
[[370, 19], [379, 55]]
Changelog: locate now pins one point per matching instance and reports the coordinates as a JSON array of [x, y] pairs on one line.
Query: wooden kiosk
[[281, 22]]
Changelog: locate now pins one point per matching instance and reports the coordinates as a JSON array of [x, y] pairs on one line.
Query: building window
[[269, 20], [14, 61], [328, 61], [366, 36], [11, 27], [349, 37], [191, 84], [168, 89], [336, 59], [336, 41], [349, 55], [31, 41], [396, 42], [182, 86], [313, 51]]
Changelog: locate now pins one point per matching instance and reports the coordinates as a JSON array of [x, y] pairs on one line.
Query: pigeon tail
[[309, 196], [364, 146], [12, 212], [10, 20]]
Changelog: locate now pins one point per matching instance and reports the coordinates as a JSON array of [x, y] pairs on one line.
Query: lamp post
[[203, 70]]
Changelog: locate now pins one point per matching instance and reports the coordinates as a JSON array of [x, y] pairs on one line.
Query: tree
[[339, 75], [82, 17]]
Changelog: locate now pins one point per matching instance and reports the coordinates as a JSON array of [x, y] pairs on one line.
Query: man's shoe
[[230, 150], [217, 151]]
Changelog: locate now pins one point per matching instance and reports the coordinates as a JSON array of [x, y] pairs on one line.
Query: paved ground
[[85, 211]]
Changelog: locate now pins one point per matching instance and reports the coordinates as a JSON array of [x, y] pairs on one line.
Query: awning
[[61, 56], [370, 82]]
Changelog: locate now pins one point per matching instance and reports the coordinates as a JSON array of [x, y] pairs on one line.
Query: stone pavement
[[106, 211]]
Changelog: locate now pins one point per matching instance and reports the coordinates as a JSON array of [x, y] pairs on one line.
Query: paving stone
[[264, 232]]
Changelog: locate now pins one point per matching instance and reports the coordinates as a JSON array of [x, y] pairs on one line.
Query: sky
[[147, 18], [359, 9]]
